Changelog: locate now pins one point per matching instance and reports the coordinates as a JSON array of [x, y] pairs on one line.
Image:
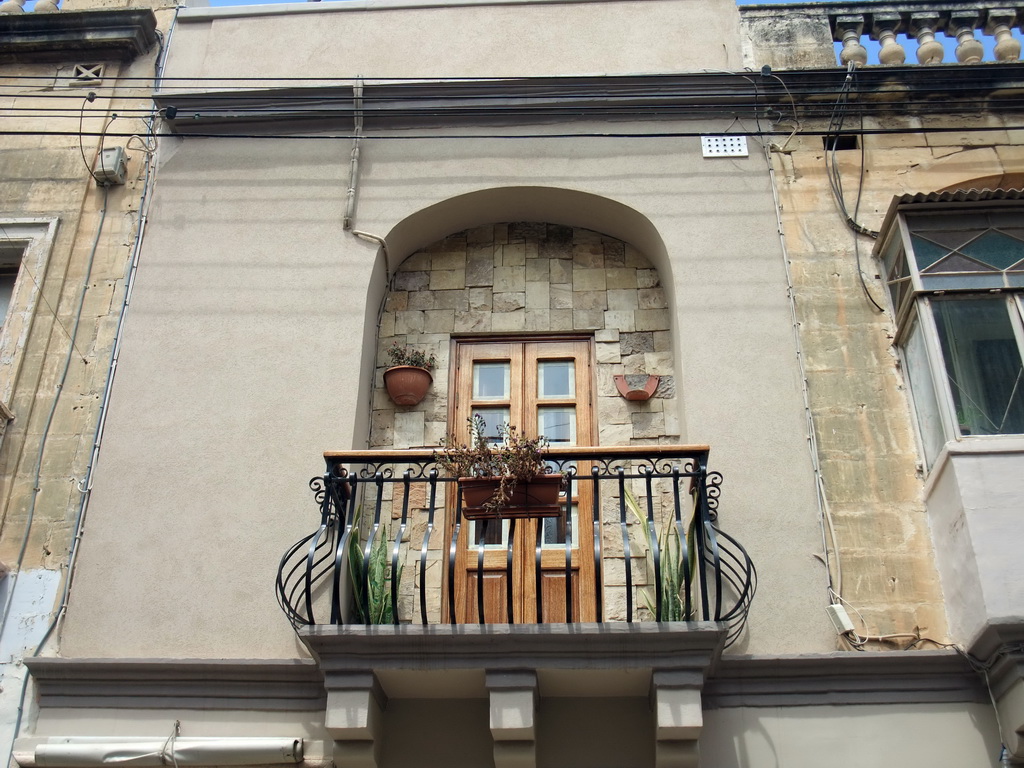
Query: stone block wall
[[532, 278]]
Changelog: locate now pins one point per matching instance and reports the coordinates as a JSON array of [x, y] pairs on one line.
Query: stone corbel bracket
[[514, 667]]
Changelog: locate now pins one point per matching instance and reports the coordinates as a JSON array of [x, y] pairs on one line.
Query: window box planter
[[529, 499]]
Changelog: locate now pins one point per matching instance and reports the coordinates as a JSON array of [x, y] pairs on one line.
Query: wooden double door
[[543, 387]]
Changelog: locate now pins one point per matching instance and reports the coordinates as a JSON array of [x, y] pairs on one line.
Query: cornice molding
[[911, 677], [189, 683], [908, 677], [392, 105], [96, 35]]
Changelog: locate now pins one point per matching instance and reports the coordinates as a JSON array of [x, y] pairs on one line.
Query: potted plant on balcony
[[501, 480], [408, 378], [678, 563]]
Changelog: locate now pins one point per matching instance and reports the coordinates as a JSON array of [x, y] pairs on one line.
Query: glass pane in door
[[556, 378], [557, 424], [491, 380], [493, 418]]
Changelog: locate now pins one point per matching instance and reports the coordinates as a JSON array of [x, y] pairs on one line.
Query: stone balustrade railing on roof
[[802, 35]]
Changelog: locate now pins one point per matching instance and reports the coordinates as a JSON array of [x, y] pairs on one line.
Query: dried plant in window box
[[501, 480]]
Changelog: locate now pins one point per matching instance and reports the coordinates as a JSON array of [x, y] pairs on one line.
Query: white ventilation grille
[[81, 75], [724, 146]]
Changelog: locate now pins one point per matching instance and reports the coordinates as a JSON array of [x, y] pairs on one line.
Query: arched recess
[[550, 205], [528, 280], [531, 278]]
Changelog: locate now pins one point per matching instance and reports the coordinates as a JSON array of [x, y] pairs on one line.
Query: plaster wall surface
[[938, 735], [955, 555], [493, 40], [975, 512], [571, 732], [242, 363], [584, 731]]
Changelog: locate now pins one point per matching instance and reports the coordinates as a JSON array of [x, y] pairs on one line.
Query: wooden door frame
[[583, 569]]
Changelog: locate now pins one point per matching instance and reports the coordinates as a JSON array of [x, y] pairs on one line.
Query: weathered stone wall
[[866, 440]]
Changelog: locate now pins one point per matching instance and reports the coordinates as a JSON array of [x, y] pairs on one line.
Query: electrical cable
[[509, 136], [812, 444], [881, 73], [856, 215], [836, 182], [90, 97]]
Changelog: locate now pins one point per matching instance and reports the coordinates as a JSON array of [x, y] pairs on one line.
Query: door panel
[[542, 387]]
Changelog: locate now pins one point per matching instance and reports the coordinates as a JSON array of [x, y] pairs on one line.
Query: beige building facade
[[609, 226]]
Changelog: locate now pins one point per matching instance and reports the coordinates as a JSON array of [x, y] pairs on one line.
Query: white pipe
[[86, 752], [383, 246], [353, 171]]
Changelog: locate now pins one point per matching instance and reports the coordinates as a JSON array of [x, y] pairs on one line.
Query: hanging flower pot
[[407, 384], [408, 378], [537, 497]]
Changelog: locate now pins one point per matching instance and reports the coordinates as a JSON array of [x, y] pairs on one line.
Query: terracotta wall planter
[[536, 498], [407, 384]]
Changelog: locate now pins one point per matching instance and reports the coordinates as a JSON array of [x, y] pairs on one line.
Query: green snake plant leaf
[[373, 598], [673, 566]]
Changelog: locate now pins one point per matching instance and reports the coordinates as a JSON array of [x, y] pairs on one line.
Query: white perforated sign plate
[[724, 146]]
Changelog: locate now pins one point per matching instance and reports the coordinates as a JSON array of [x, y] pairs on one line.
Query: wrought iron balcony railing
[[636, 538]]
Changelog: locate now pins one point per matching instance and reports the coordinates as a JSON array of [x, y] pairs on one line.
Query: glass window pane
[[556, 378], [491, 381], [6, 291], [897, 272], [558, 425], [923, 389], [957, 263], [996, 249], [493, 532], [983, 365], [926, 252], [554, 530], [493, 418]]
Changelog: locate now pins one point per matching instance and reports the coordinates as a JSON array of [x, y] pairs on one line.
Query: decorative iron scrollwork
[[314, 571]]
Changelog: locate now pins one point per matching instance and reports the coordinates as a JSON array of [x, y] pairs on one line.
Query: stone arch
[[548, 204], [994, 181], [531, 277]]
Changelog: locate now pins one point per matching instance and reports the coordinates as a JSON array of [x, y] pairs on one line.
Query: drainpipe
[[353, 170]]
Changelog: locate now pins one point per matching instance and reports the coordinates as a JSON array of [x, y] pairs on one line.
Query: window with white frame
[[955, 273], [25, 246]]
